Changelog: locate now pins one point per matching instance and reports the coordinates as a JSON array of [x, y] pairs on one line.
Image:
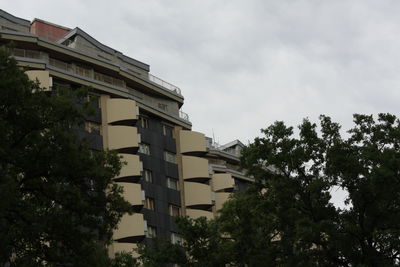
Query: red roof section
[[48, 30]]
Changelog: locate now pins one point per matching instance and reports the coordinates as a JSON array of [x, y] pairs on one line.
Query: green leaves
[[57, 205]]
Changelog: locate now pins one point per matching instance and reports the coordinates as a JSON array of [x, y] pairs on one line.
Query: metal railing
[[165, 84], [183, 115]]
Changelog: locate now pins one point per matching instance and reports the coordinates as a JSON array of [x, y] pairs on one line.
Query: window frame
[[171, 181], [144, 149], [149, 203], [168, 156]]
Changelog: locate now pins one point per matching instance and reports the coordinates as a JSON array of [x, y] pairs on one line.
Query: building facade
[[170, 170]]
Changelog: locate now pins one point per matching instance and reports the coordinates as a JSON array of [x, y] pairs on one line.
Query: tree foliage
[[287, 217], [58, 205]]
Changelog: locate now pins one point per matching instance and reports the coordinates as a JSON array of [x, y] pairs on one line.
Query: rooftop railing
[[183, 115], [165, 84]]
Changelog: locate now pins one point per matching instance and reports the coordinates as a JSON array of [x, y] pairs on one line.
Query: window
[[163, 106], [94, 100], [149, 203], [147, 176], [168, 130], [144, 122], [144, 148], [172, 183], [169, 156], [151, 231], [175, 238], [92, 127], [174, 210]]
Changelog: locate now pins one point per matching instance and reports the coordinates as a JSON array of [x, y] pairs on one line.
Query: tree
[[287, 217], [58, 204]]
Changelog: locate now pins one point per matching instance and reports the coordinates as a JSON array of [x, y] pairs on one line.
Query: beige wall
[[220, 199], [122, 137], [130, 226], [119, 109], [191, 141], [197, 194], [42, 76], [199, 213], [132, 193], [133, 166], [222, 181], [194, 167]]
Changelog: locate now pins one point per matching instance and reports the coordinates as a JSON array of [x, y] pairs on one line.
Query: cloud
[[242, 65]]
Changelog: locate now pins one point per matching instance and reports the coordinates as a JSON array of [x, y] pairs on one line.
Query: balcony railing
[[183, 115], [165, 84]]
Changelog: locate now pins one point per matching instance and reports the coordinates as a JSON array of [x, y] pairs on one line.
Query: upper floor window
[[92, 127], [151, 231], [149, 203], [144, 122], [175, 238], [163, 106], [169, 156], [144, 148], [148, 176], [172, 183], [168, 130], [174, 210]]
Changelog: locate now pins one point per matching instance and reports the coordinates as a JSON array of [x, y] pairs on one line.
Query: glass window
[[172, 183], [168, 130], [144, 148], [169, 156], [151, 231], [149, 203], [92, 127], [174, 210], [175, 238], [144, 122], [147, 176]]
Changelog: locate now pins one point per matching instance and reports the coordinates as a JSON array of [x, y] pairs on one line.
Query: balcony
[[222, 182], [123, 247], [195, 169], [130, 229], [121, 111], [197, 196], [133, 194], [165, 84], [43, 76], [124, 139], [192, 142], [194, 214], [131, 171], [220, 199]]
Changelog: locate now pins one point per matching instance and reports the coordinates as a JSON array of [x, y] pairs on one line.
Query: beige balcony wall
[[133, 166], [191, 141], [122, 137], [199, 213], [132, 193], [130, 226], [124, 247], [197, 194], [194, 167], [119, 109], [222, 181], [42, 76], [220, 199]]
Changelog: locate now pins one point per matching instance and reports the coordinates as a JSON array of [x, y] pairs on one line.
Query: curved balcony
[[131, 171], [197, 196], [222, 182], [124, 247], [124, 139], [121, 111], [199, 213], [42, 76], [220, 199], [130, 229], [193, 143], [133, 194], [195, 169]]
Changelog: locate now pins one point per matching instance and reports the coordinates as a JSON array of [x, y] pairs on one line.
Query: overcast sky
[[241, 65]]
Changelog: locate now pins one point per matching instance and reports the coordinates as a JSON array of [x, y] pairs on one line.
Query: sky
[[242, 65]]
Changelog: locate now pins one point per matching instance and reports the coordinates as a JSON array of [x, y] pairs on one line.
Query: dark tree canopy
[[287, 217], [58, 204]]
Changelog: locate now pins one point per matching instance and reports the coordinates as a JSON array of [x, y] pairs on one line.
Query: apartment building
[[170, 170]]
